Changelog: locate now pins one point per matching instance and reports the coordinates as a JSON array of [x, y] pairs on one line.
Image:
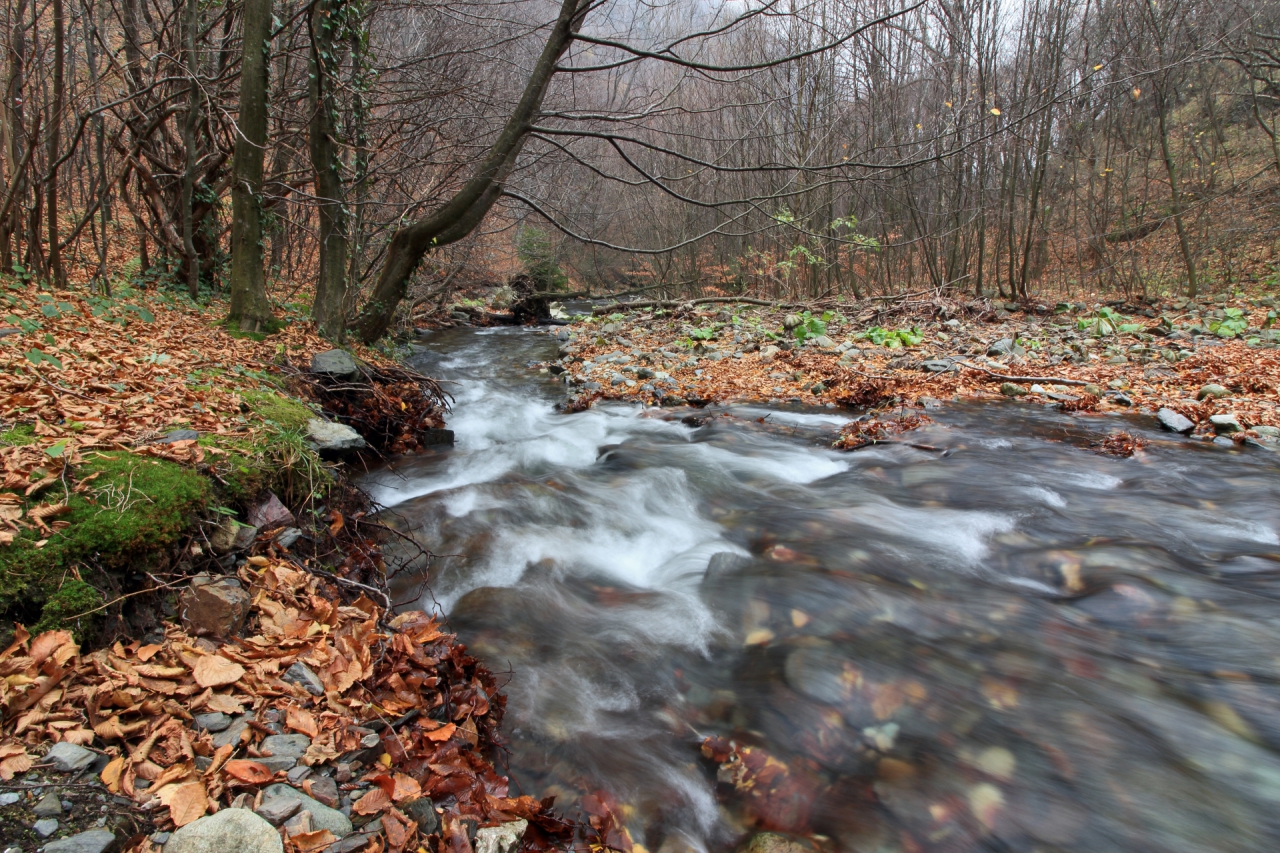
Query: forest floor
[[193, 607], [1209, 367]]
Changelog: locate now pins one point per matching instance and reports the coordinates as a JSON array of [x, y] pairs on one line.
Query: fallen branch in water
[[1025, 380], [707, 300]]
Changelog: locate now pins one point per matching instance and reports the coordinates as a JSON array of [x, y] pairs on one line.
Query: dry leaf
[[225, 704], [250, 772], [407, 788], [307, 841], [372, 803], [111, 774], [300, 720], [443, 733], [187, 801], [217, 671]]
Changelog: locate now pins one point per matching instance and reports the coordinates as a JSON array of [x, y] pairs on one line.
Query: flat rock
[[1225, 424], [301, 675], [9, 798], [503, 838], [1212, 391], [325, 790], [231, 734], [49, 806], [178, 435], [334, 438], [322, 817], [214, 605], [69, 758], [278, 810], [93, 841], [1174, 422], [282, 745], [45, 827], [336, 363], [215, 722], [238, 830], [270, 514]]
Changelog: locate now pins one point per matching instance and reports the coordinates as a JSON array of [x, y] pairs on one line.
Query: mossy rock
[[135, 506]]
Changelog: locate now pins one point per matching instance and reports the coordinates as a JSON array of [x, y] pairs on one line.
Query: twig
[[1025, 380]]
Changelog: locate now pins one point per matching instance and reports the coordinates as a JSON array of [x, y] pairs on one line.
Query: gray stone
[[231, 734], [297, 774], [1174, 422], [824, 342], [278, 763], [1223, 441], [230, 535], [1005, 346], [939, 365], [69, 758], [178, 435], [45, 827], [423, 811], [1267, 431], [49, 806], [1225, 424], [325, 790], [331, 437], [161, 838], [214, 605], [215, 722], [322, 817], [503, 838], [282, 745], [9, 798], [349, 844], [1212, 391], [278, 810], [336, 363], [301, 675], [270, 514], [1010, 390], [288, 537], [93, 841], [238, 830]]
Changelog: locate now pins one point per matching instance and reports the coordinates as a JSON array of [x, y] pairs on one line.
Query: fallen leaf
[[217, 671], [372, 803], [407, 788], [187, 801], [300, 720], [307, 841], [250, 772], [111, 774], [443, 733]]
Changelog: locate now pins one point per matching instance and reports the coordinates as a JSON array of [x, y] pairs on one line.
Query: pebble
[[49, 806], [9, 798], [45, 827]]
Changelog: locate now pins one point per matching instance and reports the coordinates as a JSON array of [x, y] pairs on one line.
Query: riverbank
[[1212, 364], [198, 643]]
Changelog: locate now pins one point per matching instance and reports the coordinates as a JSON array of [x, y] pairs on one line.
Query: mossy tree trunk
[[329, 306], [250, 310], [462, 213]]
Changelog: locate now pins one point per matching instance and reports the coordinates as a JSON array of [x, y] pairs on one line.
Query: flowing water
[[995, 639]]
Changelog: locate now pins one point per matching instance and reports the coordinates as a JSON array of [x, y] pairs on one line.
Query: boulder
[[334, 438], [214, 605], [336, 363], [503, 838], [322, 817], [270, 514], [1173, 422], [69, 758], [1212, 391], [93, 841], [230, 829], [1225, 424]]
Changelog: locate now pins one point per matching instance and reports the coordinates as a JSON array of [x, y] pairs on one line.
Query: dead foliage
[[1120, 443], [390, 406], [875, 430], [434, 708]]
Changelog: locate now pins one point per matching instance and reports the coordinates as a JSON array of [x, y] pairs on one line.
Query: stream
[[990, 639]]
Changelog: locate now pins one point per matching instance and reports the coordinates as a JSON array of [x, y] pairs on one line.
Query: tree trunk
[[249, 308], [462, 213], [190, 26], [1175, 196], [327, 310], [57, 274]]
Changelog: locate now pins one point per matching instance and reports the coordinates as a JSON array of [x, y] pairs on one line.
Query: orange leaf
[[407, 788], [337, 523], [307, 841], [111, 774], [251, 772], [443, 733], [187, 801], [217, 671], [372, 803]]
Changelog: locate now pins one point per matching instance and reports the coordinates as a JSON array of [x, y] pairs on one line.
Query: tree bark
[[250, 310], [462, 213], [328, 308], [191, 24], [1175, 195], [57, 274]]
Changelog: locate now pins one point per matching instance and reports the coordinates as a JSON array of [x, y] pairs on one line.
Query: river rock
[[334, 438], [231, 734], [1010, 390], [423, 811], [1212, 391], [270, 514], [93, 841], [8, 798], [322, 817], [278, 810], [49, 806], [325, 789], [774, 842], [238, 830], [1225, 424], [1174, 422], [45, 827], [436, 436], [216, 606], [231, 536], [214, 722], [503, 838], [336, 363], [69, 758]]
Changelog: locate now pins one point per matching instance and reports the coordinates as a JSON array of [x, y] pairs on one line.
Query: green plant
[[707, 334], [1234, 323], [892, 338], [811, 326], [1107, 321]]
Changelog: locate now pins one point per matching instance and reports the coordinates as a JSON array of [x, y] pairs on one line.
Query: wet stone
[[1174, 422], [1225, 424]]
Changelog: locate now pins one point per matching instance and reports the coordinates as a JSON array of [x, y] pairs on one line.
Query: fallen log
[[1025, 380]]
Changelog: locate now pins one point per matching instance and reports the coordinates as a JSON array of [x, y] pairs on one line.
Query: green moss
[[69, 607], [21, 434], [134, 506], [284, 412], [270, 328]]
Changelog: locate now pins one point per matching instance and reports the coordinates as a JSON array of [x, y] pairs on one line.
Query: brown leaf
[[217, 671], [372, 803], [307, 841], [443, 733], [300, 720], [225, 703], [407, 788], [250, 772], [14, 765], [187, 801], [111, 774]]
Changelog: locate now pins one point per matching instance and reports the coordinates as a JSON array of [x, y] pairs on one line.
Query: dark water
[[1008, 643]]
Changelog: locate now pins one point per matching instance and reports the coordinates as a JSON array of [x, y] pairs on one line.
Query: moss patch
[[19, 435], [281, 411], [135, 506]]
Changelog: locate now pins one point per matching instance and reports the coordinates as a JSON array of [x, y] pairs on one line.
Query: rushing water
[[995, 639]]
